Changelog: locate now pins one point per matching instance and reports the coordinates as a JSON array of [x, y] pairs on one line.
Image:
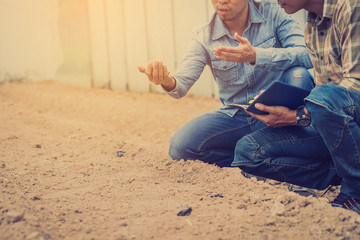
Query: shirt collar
[[328, 12], [220, 29]]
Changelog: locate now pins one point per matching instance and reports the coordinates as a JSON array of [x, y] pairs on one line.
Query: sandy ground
[[61, 176]]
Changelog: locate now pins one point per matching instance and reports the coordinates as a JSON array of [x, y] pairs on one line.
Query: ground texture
[[78, 163]]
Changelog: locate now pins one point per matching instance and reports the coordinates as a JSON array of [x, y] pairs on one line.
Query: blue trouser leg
[[298, 76], [289, 154], [325, 153], [335, 114], [212, 137]]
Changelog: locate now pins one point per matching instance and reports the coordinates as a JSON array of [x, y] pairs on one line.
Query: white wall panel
[[29, 44], [189, 14], [99, 43], [159, 31], [135, 43], [73, 28], [116, 44]]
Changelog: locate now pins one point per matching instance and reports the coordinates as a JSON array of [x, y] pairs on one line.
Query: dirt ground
[[79, 163]]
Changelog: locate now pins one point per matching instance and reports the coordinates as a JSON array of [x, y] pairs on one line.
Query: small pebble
[[185, 212], [120, 153]]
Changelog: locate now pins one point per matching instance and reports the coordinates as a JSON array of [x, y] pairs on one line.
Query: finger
[[156, 72], [241, 40], [225, 50], [237, 37], [228, 58], [257, 116], [161, 72], [141, 69], [149, 70], [165, 71], [218, 49], [262, 107], [259, 94]]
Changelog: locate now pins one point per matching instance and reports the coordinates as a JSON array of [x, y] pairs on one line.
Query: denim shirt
[[279, 44]]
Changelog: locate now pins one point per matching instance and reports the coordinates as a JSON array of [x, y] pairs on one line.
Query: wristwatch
[[302, 120]]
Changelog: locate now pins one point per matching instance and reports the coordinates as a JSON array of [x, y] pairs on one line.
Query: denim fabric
[[277, 39], [325, 153], [212, 137], [298, 76]]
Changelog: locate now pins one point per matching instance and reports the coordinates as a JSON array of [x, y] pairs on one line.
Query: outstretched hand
[[158, 74], [244, 52]]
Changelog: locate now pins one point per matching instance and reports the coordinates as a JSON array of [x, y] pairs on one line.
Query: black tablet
[[280, 94]]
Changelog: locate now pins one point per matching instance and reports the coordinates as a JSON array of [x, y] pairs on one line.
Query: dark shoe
[[347, 202], [303, 191], [258, 178]]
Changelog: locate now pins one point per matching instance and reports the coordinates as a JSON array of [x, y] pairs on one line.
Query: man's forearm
[[280, 59], [170, 84]]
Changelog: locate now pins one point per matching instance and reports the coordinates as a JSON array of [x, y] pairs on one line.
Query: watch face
[[304, 122], [301, 119]]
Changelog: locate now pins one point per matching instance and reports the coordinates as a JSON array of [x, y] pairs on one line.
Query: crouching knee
[[299, 77], [248, 158], [245, 152], [177, 148]]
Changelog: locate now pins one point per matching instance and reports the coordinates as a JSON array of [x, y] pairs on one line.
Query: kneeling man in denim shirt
[[323, 148], [247, 45]]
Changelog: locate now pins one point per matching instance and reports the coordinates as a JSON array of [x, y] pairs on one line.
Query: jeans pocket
[[225, 71]]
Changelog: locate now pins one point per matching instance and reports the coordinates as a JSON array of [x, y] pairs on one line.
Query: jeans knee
[[324, 94], [298, 76], [321, 99], [245, 152], [176, 148]]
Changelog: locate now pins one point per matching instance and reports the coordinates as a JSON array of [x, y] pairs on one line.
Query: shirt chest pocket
[[225, 71]]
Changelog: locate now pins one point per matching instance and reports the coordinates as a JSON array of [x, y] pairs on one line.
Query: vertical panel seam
[[125, 52], [147, 39], [173, 32], [107, 43], [92, 84]]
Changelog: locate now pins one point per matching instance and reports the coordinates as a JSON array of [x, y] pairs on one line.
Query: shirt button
[[322, 33], [321, 57], [225, 67]]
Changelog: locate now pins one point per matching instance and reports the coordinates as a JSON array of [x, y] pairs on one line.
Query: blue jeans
[[325, 153], [212, 137]]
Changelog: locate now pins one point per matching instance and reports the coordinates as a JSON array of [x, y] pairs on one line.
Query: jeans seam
[[275, 169], [353, 141], [263, 152], [340, 139], [297, 166], [268, 161], [346, 120]]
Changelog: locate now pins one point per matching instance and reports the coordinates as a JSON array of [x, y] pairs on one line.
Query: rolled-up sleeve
[[189, 70], [293, 51]]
